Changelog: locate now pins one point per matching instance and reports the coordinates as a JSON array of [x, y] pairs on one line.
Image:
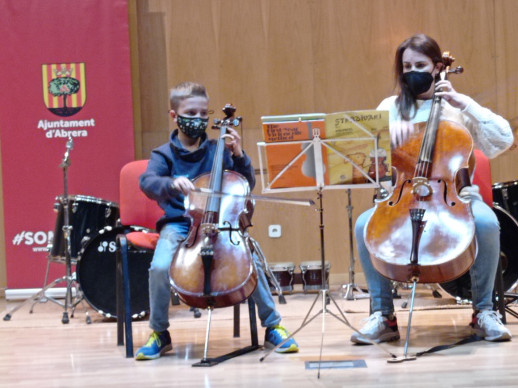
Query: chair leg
[[253, 322], [499, 288], [237, 317], [123, 296]]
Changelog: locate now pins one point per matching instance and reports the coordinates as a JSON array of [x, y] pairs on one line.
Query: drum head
[[96, 273], [461, 287]]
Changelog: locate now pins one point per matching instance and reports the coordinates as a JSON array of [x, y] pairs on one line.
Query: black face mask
[[417, 81], [193, 127]]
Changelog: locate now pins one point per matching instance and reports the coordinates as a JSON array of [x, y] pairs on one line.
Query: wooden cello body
[[424, 231], [213, 267]]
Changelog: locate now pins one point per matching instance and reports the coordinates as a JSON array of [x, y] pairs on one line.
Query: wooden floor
[[37, 350]]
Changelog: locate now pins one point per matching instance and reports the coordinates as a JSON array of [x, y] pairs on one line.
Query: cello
[[213, 266], [424, 231]]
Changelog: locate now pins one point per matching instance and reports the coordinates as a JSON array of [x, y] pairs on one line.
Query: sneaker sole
[[291, 349], [365, 341], [144, 357], [497, 338]]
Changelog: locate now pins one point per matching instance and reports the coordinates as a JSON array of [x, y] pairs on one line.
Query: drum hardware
[[73, 294], [350, 288], [270, 275]]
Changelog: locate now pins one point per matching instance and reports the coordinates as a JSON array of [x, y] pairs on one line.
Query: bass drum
[[461, 287], [96, 273], [505, 195], [87, 215]]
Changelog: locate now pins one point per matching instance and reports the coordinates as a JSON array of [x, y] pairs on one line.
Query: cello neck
[[216, 178], [427, 146]]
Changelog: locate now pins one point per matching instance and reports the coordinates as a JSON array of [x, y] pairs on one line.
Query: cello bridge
[[209, 230]]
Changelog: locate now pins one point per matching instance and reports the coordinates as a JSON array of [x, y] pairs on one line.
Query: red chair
[[482, 178], [135, 210]]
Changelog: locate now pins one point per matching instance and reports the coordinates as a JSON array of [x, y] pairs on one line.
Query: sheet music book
[[353, 148]]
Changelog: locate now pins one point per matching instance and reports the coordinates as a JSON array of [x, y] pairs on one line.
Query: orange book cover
[[281, 131], [301, 173]]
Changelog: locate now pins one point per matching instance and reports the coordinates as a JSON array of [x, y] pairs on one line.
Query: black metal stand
[[71, 300], [207, 362], [325, 296], [350, 288]]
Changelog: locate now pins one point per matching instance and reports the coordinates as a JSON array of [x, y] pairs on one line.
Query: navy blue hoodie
[[171, 160]]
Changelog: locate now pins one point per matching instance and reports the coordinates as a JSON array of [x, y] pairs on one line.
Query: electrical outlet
[[274, 231]]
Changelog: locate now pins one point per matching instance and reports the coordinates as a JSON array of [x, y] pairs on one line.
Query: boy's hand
[[182, 184], [235, 142]]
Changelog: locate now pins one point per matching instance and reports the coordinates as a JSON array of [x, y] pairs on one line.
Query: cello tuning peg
[[457, 70], [229, 110]]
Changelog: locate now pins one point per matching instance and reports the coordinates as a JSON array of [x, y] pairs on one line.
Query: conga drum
[[312, 275], [283, 272]]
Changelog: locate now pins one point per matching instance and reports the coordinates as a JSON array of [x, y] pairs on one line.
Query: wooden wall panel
[[506, 68], [282, 57], [301, 56]]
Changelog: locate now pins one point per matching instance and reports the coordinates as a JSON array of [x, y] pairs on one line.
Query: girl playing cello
[[417, 62]]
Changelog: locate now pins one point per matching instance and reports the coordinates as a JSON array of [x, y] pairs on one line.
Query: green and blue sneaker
[[275, 335], [157, 344]]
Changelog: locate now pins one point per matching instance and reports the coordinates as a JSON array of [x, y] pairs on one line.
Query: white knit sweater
[[491, 133]]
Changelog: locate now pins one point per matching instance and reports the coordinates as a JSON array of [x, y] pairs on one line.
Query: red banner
[[64, 72]]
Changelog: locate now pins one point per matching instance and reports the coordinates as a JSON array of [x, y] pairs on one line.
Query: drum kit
[[505, 206], [85, 237]]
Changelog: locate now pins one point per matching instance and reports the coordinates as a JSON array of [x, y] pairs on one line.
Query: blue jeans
[[483, 271], [160, 291]]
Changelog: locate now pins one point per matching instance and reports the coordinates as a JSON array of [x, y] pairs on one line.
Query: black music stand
[[315, 146]]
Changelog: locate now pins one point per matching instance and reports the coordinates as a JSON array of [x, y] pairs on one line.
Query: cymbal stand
[[67, 230], [325, 296], [70, 279], [349, 288]]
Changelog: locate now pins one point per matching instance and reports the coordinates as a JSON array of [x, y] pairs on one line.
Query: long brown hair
[[424, 45]]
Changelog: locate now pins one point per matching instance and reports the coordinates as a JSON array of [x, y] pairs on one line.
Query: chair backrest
[[482, 177], [135, 208]]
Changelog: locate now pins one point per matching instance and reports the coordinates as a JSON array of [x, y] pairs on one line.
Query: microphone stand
[[67, 229]]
